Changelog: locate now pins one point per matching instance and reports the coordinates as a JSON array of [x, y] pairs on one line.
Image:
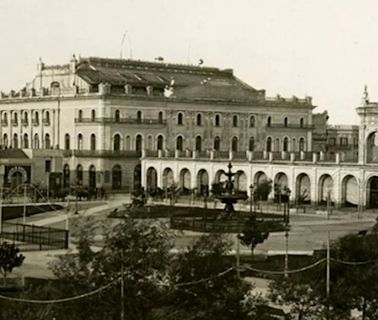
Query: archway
[[260, 177], [303, 189], [168, 180], [92, 177], [151, 179], [349, 191], [202, 181], [372, 147], [116, 177], [66, 176], [220, 176], [240, 181], [280, 185], [325, 189], [372, 192], [138, 143], [138, 177], [185, 181]]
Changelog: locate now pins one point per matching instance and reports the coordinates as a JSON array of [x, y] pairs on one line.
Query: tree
[[10, 258], [222, 296], [139, 248], [263, 189], [251, 236]]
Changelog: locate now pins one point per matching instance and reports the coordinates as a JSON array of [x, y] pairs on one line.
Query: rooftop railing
[[121, 120]]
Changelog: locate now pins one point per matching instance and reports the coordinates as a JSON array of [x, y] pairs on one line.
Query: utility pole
[[24, 213], [122, 292], [328, 271]]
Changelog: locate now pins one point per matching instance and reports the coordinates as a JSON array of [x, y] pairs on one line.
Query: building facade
[[101, 114]]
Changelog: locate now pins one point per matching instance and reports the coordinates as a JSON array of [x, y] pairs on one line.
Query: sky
[[327, 49]]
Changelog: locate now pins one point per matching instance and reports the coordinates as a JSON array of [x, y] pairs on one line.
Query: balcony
[[14, 122], [290, 126], [4, 122], [46, 122], [35, 122], [106, 153], [24, 122], [104, 120]]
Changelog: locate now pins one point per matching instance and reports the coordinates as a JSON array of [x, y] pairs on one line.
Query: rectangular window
[[343, 141], [48, 166]]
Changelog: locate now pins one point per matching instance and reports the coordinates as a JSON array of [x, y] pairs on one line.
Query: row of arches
[[301, 187], [95, 177], [25, 142]]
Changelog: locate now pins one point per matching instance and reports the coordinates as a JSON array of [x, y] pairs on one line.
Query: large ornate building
[[118, 124]]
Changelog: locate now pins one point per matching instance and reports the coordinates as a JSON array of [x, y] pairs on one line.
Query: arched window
[[117, 116], [93, 115], [93, 142], [47, 118], [301, 144], [180, 118], [301, 123], [285, 146], [277, 146], [79, 174], [160, 142], [251, 145], [234, 144], [117, 142], [15, 141], [217, 120], [138, 143], [92, 177], [269, 144], [67, 142], [199, 120], [5, 140], [294, 145], [5, 117], [269, 121], [26, 141], [47, 141], [217, 143], [36, 141], [80, 115], [26, 118], [15, 118], [252, 121], [139, 116], [160, 117], [198, 143], [179, 143], [149, 143], [285, 122], [80, 141], [36, 118], [235, 121]]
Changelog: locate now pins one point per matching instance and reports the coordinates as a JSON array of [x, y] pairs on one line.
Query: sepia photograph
[[189, 160]]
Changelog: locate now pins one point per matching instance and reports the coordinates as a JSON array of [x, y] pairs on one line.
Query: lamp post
[[251, 187], [287, 220]]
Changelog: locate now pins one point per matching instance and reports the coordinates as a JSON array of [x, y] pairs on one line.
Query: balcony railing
[[104, 120], [35, 122], [106, 153], [46, 122], [4, 122], [290, 126], [14, 123], [25, 123]]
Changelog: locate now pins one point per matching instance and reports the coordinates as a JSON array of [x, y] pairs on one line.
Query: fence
[[31, 237]]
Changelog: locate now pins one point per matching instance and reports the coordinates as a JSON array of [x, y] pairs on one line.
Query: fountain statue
[[230, 197]]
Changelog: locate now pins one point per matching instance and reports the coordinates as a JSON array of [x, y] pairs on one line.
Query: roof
[[12, 154], [191, 82]]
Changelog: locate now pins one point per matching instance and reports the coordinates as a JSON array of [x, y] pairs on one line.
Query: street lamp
[[251, 187], [287, 220]]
